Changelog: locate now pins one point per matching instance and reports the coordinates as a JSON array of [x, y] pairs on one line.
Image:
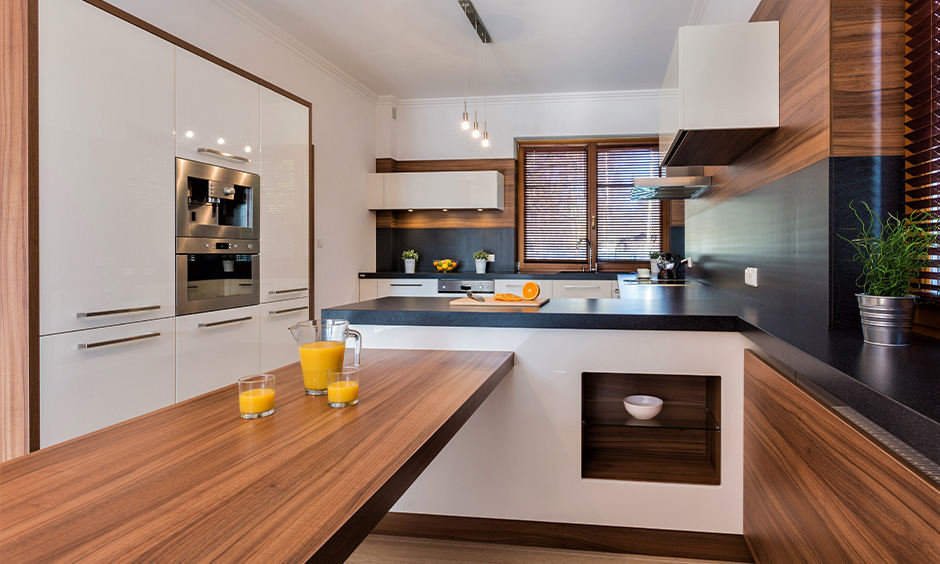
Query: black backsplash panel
[[453, 243], [788, 230]]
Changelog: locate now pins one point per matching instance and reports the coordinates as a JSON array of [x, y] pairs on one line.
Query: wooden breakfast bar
[[195, 483]]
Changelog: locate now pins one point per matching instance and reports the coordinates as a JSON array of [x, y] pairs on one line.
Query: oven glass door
[[210, 281]]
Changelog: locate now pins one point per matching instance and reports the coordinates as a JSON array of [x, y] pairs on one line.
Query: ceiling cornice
[[387, 100], [614, 95], [276, 33]]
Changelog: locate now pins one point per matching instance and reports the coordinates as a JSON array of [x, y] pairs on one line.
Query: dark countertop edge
[[472, 275]]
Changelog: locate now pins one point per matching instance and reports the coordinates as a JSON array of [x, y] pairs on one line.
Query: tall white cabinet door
[[216, 110], [106, 170], [98, 377], [285, 197], [215, 349], [278, 347]]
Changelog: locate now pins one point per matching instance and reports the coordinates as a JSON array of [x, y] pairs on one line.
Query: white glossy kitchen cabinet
[[106, 170], [436, 190], [214, 104], [514, 286], [285, 198], [368, 289], [407, 287], [215, 349], [582, 288], [98, 377], [278, 347]]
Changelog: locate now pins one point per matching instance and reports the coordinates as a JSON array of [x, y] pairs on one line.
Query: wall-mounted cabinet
[[436, 190], [721, 93], [680, 445]]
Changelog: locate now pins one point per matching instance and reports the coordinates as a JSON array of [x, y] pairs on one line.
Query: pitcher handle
[[358, 337]]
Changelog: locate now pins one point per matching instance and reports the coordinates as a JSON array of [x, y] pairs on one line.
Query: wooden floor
[[379, 549]]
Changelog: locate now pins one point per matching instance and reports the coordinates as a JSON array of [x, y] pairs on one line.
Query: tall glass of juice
[[322, 346]]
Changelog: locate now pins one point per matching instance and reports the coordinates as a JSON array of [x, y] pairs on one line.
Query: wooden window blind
[[922, 124], [555, 182], [626, 229]]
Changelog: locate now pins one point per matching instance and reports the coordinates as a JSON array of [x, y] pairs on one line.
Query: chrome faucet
[[591, 266]]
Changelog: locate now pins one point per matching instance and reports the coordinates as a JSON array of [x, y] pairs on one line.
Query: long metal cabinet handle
[[226, 155], [514, 285], [291, 291], [580, 287], [226, 322], [149, 335], [408, 285], [117, 311], [280, 311]]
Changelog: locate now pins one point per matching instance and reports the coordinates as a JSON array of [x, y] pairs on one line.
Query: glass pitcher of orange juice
[[322, 345]]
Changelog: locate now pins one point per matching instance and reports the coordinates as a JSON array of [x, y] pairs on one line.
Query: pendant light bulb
[[476, 129], [465, 124], [486, 139]]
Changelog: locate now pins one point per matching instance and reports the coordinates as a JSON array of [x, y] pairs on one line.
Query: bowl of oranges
[[445, 265]]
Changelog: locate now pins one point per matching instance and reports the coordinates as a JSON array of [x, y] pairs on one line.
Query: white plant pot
[[654, 268], [409, 266], [481, 265]]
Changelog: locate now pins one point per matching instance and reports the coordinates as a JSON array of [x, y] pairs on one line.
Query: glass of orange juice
[[322, 345], [342, 386], [256, 396]]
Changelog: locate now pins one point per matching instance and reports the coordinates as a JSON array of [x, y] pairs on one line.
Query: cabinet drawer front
[[407, 287], [277, 344], [581, 288], [215, 349], [98, 377], [515, 287]]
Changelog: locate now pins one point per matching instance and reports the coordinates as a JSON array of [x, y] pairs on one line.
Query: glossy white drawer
[[582, 288], [278, 347], [514, 286]]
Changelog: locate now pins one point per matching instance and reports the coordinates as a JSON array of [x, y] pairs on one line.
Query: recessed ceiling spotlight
[[190, 134], [220, 141]]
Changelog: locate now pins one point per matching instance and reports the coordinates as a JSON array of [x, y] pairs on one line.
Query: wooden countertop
[[195, 483]]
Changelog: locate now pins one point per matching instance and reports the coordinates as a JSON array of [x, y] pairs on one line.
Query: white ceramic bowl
[[643, 407]]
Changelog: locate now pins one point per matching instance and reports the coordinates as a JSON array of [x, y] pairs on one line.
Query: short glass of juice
[[256, 396], [342, 386], [322, 346]]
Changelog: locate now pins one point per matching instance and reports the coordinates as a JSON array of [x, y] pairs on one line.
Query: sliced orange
[[530, 290], [507, 298]]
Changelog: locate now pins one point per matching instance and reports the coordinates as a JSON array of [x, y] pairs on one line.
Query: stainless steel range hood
[[680, 183]]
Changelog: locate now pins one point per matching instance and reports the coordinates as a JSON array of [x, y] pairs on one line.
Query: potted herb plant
[[479, 258], [409, 256], [654, 267], [890, 253]]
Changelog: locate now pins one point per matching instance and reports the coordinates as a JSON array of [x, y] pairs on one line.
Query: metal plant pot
[[886, 321]]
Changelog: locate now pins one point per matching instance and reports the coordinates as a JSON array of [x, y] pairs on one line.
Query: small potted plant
[[479, 258], [654, 267], [890, 253], [409, 256]]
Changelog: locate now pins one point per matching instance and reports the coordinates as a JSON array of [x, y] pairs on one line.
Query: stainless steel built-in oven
[[216, 274], [212, 201]]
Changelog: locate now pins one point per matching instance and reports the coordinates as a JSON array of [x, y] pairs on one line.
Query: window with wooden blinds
[[922, 121], [626, 229], [555, 192]]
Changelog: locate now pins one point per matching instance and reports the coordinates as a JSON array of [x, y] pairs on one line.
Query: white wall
[[430, 128], [343, 128]]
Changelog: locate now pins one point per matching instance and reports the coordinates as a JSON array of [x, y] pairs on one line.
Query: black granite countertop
[[472, 275], [898, 388]]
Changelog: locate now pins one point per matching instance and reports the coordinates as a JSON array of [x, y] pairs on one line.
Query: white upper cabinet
[[435, 190], [216, 112], [721, 92], [106, 170], [285, 197]]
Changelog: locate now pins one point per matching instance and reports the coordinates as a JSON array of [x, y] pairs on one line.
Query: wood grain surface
[[18, 223], [195, 483], [492, 302], [819, 491], [569, 536], [454, 218]]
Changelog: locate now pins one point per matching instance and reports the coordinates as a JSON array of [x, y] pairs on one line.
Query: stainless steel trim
[[406, 285], [514, 285], [186, 168], [581, 287], [117, 311], [226, 322], [280, 311], [184, 305], [149, 335], [222, 154], [291, 291], [207, 246]]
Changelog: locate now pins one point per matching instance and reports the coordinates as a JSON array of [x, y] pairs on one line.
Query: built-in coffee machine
[[217, 237]]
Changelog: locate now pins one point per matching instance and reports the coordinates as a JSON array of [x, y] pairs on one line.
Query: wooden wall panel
[[818, 491], [456, 218], [867, 68], [18, 221], [803, 136]]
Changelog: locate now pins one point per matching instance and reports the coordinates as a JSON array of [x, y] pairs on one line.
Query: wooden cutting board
[[491, 301]]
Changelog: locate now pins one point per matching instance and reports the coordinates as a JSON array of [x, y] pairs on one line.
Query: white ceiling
[[420, 48]]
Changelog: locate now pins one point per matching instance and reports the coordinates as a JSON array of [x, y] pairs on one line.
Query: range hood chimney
[[680, 183]]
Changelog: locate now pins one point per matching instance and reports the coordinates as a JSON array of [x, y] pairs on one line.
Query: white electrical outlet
[[750, 276], [490, 258]]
